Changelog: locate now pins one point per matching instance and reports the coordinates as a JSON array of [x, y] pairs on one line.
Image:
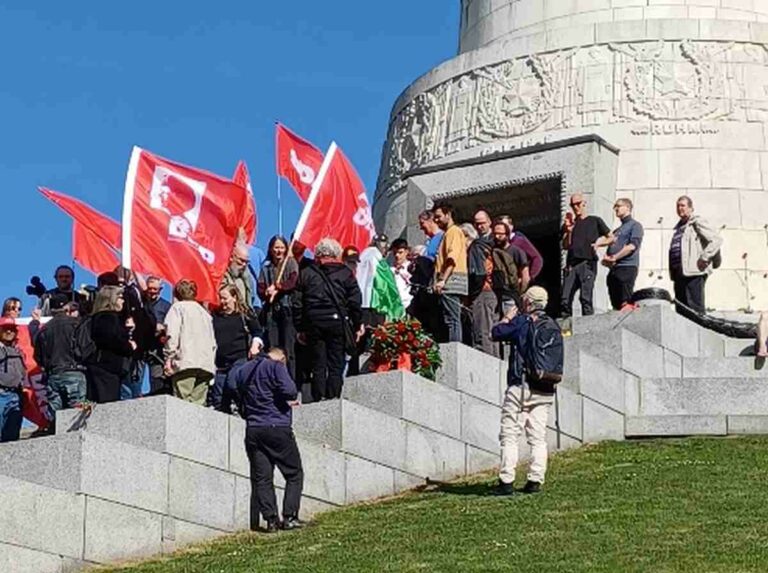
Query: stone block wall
[[146, 477]]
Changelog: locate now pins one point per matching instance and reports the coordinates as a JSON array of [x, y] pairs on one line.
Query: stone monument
[[646, 99]]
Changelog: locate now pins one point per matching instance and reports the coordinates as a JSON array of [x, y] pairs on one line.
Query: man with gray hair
[[238, 275], [327, 304], [535, 366]]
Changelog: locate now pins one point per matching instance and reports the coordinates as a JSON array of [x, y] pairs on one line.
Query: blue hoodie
[[265, 388]]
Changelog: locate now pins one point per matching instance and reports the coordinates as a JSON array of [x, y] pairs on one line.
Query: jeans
[[327, 346], [690, 291], [130, 388], [65, 390], [267, 447], [10, 415], [451, 306], [223, 392], [581, 277]]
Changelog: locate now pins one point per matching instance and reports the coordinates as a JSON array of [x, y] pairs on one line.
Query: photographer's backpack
[[544, 363], [83, 347]]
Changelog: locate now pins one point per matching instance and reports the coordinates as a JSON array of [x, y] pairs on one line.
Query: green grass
[[662, 506]]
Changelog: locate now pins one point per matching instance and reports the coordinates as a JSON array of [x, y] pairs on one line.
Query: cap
[[381, 239], [6, 322], [537, 296]]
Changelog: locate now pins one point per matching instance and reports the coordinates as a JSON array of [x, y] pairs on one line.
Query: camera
[[36, 287]]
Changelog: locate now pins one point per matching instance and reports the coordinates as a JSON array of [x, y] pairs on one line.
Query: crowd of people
[[303, 321]]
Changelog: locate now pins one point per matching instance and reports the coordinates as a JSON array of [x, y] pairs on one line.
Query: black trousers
[[281, 333], [581, 277], [268, 447], [621, 285], [327, 346], [690, 291]]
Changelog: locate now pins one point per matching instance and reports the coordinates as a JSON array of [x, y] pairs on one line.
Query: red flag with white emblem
[[250, 219], [180, 221], [337, 207], [297, 160]]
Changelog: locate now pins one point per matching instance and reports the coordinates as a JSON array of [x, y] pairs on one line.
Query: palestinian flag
[[377, 284]]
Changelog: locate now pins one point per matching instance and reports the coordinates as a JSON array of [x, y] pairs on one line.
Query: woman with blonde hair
[[190, 345], [110, 364], [238, 338]]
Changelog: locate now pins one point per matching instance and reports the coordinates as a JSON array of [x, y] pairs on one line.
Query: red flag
[[90, 251], [107, 229], [297, 160], [338, 207], [180, 221], [34, 396], [250, 220]]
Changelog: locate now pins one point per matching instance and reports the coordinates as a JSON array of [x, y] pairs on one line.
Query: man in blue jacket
[[267, 396], [526, 406]]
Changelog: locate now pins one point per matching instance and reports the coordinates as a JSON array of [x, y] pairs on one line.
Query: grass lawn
[[696, 504]]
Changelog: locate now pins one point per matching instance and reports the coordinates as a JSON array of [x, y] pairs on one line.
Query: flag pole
[[279, 190], [308, 205]]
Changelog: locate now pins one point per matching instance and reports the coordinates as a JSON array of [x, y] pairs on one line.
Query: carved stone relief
[[660, 83]]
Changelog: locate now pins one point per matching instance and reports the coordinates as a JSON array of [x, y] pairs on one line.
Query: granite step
[[703, 396], [730, 367]]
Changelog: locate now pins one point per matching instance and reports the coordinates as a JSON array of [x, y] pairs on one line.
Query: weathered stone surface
[[324, 472], [601, 381], [561, 443], [159, 423], [114, 531], [641, 357], [731, 367], [367, 480], [319, 422], [51, 461], [373, 435], [631, 394], [242, 513], [15, 559], [480, 423], [673, 364], [238, 458], [481, 461], [601, 423], [748, 424], [647, 426], [201, 494], [678, 333], [178, 533], [568, 409], [410, 397], [739, 347], [704, 396], [41, 518], [470, 371], [711, 344], [433, 455]]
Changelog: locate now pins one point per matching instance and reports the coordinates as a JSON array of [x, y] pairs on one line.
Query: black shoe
[[292, 523], [504, 489], [532, 487], [273, 525]]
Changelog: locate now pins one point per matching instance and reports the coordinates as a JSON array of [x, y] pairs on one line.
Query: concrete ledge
[[471, 372], [601, 423], [704, 396], [731, 367], [114, 531], [15, 559], [748, 424], [653, 426]]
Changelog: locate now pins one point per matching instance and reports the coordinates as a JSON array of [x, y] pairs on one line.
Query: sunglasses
[[577, 203]]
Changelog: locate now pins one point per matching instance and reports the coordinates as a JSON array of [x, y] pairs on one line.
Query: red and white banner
[[250, 219], [337, 207], [180, 221], [90, 251], [297, 160]]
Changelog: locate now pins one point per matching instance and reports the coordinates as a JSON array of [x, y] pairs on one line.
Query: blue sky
[[198, 82]]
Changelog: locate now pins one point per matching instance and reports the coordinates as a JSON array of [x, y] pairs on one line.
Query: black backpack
[[544, 362], [84, 349]]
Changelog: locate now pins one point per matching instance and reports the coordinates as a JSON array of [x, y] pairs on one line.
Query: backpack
[[84, 349], [544, 360], [12, 369], [504, 277]]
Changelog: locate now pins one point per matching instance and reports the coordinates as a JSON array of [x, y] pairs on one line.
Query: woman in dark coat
[[276, 297], [111, 336], [238, 338]]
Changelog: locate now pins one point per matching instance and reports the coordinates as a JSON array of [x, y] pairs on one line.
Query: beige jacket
[[700, 241], [191, 342]]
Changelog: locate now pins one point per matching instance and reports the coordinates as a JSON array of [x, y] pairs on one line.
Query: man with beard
[[237, 275]]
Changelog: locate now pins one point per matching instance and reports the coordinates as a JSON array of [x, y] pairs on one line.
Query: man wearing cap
[[527, 403], [54, 353], [13, 372]]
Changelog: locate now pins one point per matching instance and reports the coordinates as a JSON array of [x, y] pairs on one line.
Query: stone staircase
[[146, 477]]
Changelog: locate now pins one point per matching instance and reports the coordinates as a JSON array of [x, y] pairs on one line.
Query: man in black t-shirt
[[582, 235]]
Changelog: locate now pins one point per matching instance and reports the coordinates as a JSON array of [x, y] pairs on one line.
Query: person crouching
[[267, 394]]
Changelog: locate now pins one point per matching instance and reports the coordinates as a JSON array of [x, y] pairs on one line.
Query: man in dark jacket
[[158, 307], [526, 406], [319, 314], [54, 352], [267, 394]]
